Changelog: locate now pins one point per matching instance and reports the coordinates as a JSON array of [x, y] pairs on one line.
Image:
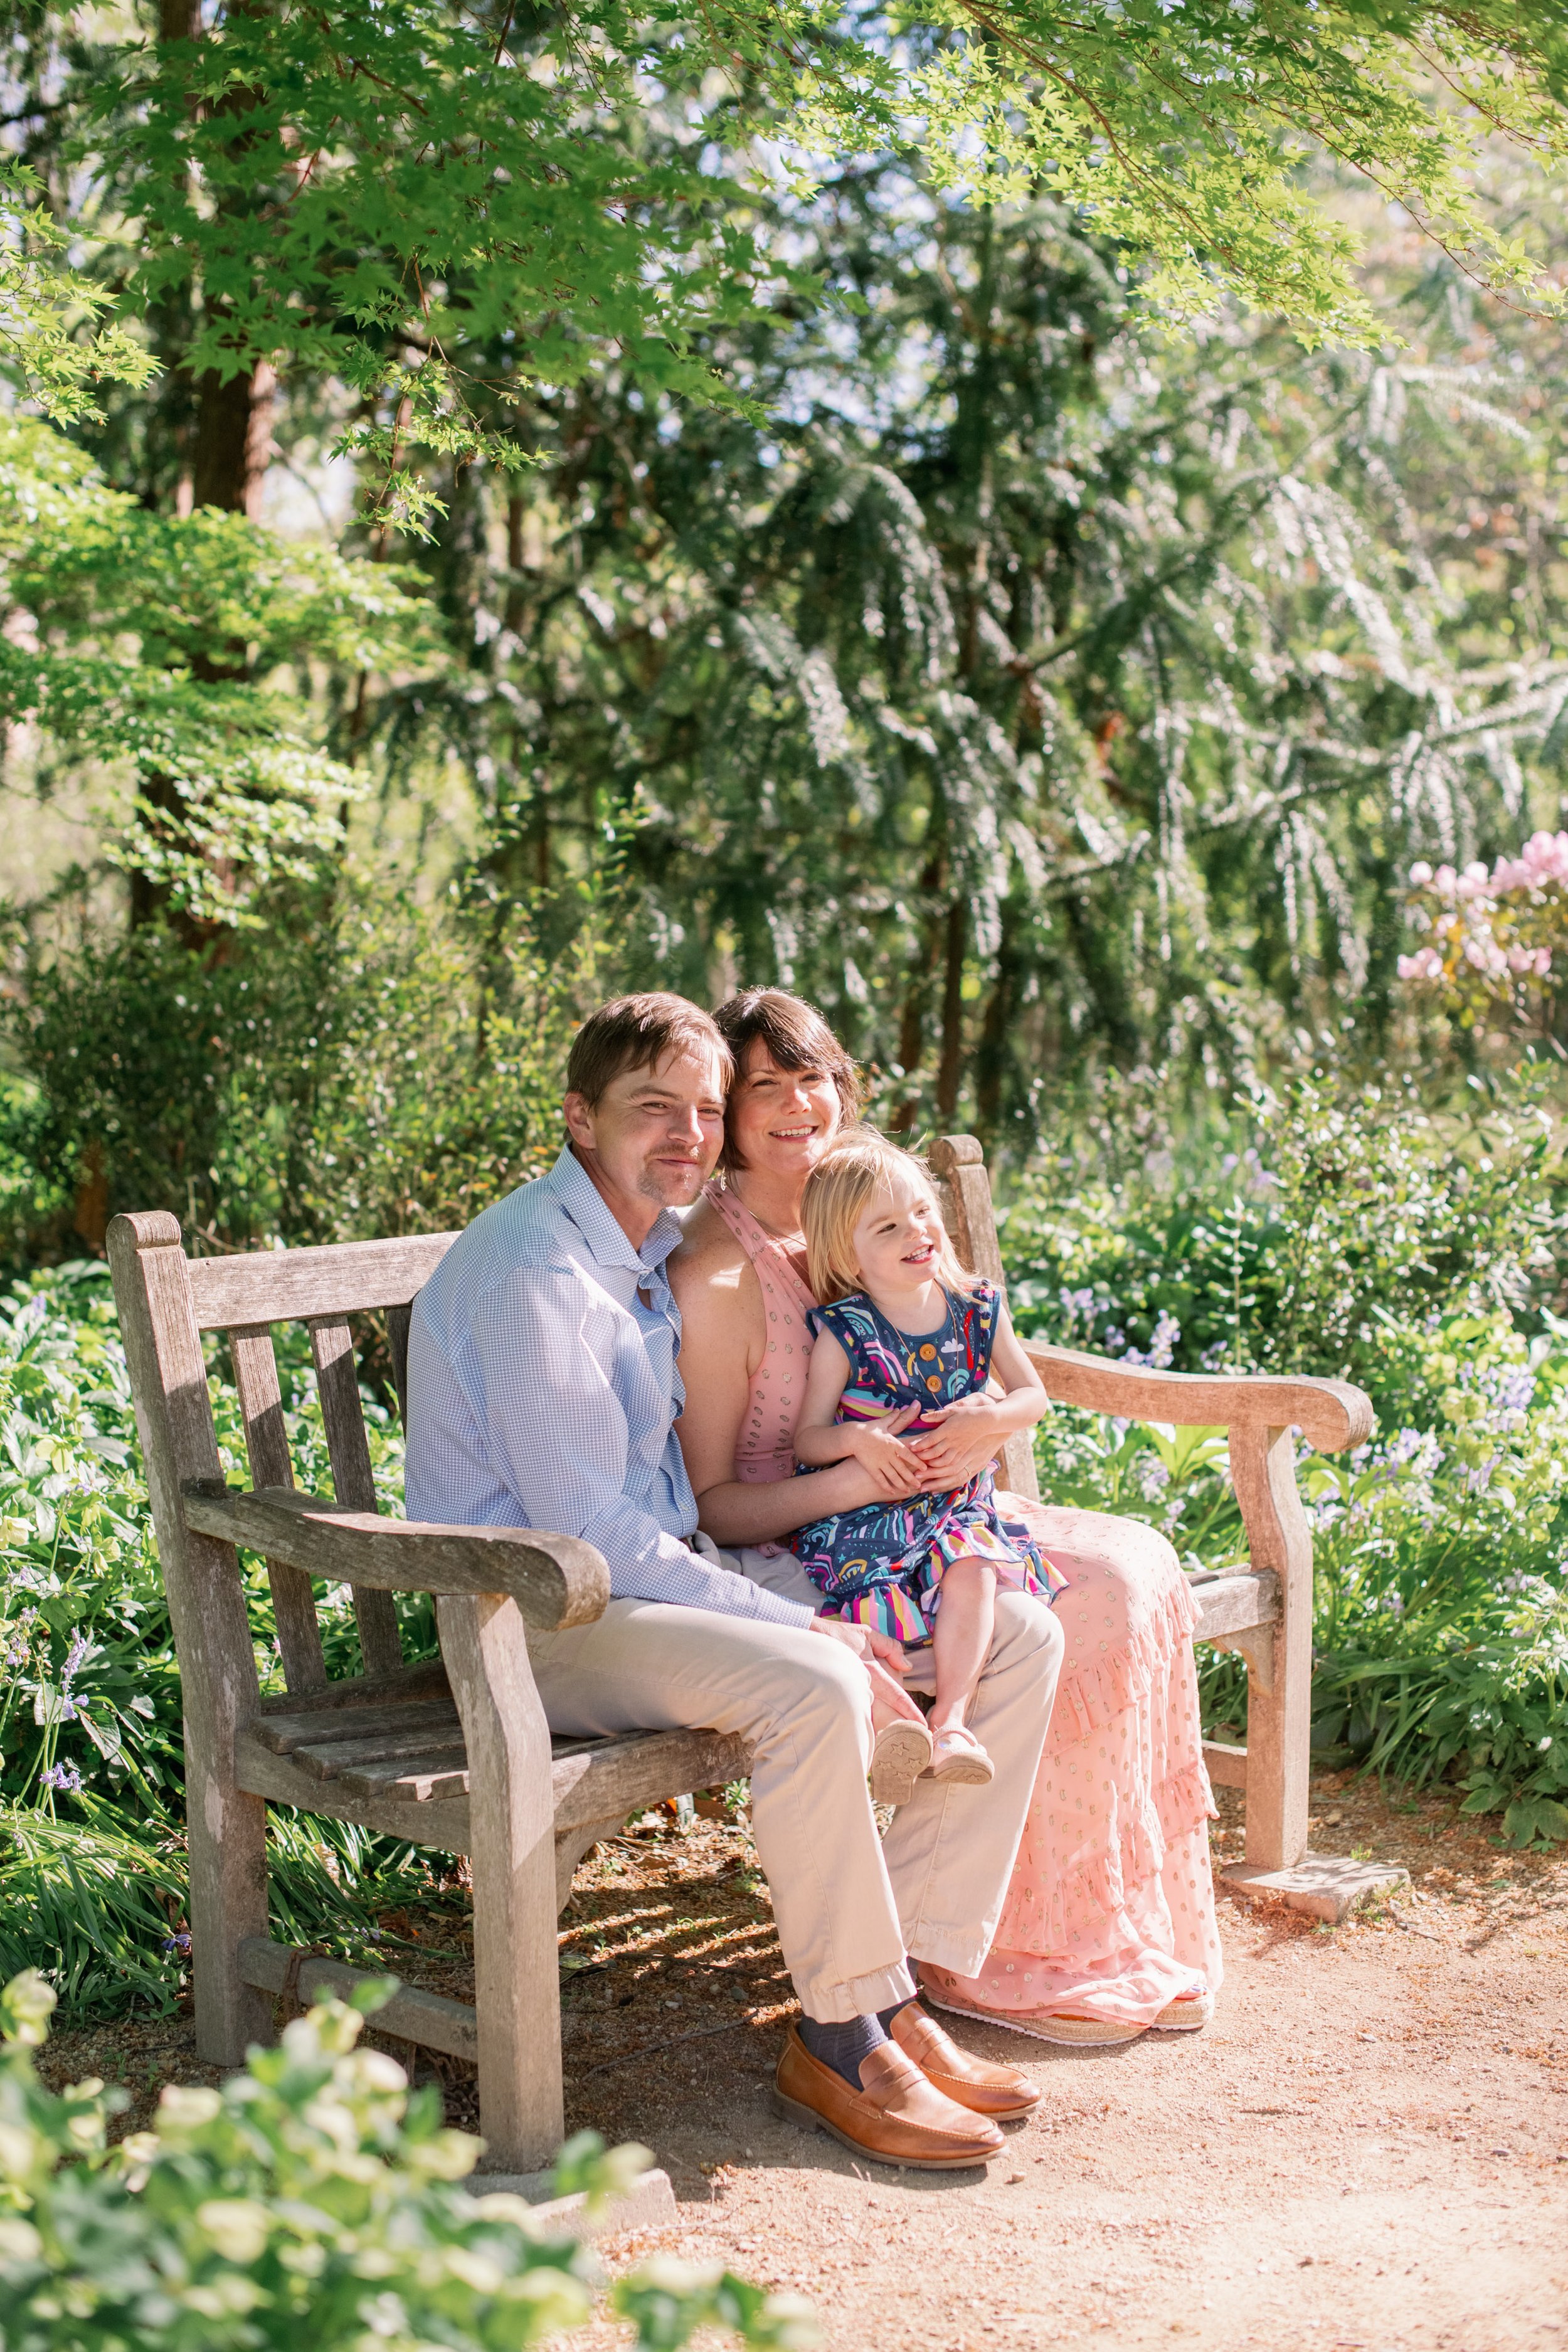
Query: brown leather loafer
[[896, 2116], [1002, 2092]]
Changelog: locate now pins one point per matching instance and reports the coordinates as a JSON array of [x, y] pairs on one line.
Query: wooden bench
[[455, 1754]]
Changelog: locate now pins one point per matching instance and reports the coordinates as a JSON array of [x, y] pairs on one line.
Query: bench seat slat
[[319, 1727], [408, 1779]]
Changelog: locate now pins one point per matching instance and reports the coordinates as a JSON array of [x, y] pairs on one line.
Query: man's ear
[[579, 1121]]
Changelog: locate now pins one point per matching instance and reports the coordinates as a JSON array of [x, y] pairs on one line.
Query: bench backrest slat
[[963, 1194], [267, 1445], [337, 1381], [292, 1286]]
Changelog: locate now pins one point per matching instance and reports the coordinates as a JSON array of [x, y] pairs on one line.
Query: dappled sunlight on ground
[[1369, 2147]]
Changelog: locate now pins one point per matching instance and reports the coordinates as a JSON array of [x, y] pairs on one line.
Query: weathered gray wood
[[571, 1846], [267, 1446], [1226, 1764], [1235, 1604], [406, 1779], [227, 1827], [1330, 1415], [336, 1759], [290, 1286], [557, 1581], [963, 1190], [442, 1824], [323, 1728], [426, 1679], [1279, 1720], [348, 1449], [613, 1781], [513, 1857], [426, 2018]]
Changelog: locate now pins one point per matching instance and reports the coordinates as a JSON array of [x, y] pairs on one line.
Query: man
[[544, 1391]]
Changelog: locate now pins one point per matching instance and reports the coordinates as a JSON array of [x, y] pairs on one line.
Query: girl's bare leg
[[965, 1624]]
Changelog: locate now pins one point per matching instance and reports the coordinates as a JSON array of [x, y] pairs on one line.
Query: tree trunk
[[234, 440], [228, 467], [949, 1070], [991, 1056]]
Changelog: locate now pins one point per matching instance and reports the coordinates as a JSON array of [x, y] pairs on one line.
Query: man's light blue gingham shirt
[[544, 1391]]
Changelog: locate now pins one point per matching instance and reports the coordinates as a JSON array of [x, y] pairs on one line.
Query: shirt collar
[[605, 1235]]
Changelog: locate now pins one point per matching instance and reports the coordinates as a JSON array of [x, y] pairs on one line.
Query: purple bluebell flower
[[63, 1777]]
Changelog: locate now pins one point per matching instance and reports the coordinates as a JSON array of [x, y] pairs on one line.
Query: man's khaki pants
[[849, 1904]]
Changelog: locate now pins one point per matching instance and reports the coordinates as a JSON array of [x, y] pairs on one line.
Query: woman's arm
[[723, 1332]]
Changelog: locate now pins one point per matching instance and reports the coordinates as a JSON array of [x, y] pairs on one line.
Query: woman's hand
[[881, 1656], [876, 1447], [967, 1439]]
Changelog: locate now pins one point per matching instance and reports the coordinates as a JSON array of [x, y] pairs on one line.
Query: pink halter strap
[[766, 1447]]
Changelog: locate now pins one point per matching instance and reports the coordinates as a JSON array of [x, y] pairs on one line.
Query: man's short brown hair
[[636, 1032], [796, 1037]]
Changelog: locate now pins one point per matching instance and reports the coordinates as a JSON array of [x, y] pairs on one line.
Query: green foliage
[[92, 1873], [410, 203], [55, 344], [1179, 129], [1030, 694], [376, 1072], [312, 2193], [157, 648], [1379, 1242], [1345, 1217]]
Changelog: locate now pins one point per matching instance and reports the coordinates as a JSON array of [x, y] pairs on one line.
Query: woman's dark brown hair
[[797, 1038]]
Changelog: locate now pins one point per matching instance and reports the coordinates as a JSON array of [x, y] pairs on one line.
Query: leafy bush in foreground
[[312, 2200]]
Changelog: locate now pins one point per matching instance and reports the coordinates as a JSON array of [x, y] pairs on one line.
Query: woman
[[1109, 1929]]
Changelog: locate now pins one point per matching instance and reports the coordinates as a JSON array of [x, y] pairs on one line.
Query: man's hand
[[881, 1656], [967, 1439], [876, 1447]]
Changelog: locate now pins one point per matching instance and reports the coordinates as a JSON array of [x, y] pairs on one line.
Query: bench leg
[[1278, 1719], [228, 1835], [513, 1857]]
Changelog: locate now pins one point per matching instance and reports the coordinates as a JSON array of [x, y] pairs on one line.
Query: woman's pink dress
[[1110, 1912]]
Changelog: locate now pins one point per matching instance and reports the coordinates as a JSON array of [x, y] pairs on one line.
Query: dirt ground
[[1367, 2149]]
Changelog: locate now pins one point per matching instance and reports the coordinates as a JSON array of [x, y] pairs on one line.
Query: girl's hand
[[971, 1434], [886, 1461]]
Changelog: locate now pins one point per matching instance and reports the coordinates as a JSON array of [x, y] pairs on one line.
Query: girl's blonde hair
[[837, 1191]]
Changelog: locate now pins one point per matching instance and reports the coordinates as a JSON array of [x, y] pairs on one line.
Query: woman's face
[[783, 1120]]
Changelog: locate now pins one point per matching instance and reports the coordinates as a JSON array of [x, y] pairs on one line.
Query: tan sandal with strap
[[900, 1754], [965, 1764]]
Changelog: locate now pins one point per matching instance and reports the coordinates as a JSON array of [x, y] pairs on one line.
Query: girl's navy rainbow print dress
[[883, 1565]]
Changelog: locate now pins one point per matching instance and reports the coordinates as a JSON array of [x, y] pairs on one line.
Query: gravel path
[[1368, 2148]]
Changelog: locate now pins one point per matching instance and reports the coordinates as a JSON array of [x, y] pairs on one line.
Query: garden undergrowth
[[1441, 1620]]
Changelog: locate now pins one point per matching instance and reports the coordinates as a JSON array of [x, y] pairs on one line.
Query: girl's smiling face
[[898, 1234]]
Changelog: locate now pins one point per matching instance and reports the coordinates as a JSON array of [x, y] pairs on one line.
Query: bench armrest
[[555, 1581], [1330, 1415]]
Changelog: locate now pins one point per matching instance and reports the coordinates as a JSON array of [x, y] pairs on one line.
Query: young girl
[[905, 1343]]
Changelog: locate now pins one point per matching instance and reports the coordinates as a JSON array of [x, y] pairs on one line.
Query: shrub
[[311, 2201], [1341, 1220], [92, 1870], [368, 1071], [1356, 1234]]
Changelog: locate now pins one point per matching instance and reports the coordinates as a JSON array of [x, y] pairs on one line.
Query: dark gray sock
[[885, 2016], [842, 2047]]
